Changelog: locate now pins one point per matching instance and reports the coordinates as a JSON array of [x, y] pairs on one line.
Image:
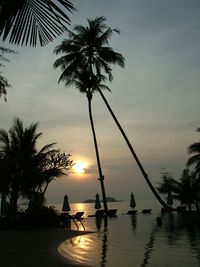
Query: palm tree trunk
[[101, 177], [13, 201], [162, 202]]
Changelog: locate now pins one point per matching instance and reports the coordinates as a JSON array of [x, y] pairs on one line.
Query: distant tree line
[[26, 171], [186, 189]]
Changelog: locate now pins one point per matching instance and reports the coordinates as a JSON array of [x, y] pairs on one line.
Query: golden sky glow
[[160, 42]]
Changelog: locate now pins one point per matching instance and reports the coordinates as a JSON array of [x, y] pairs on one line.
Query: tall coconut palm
[[24, 21], [87, 46], [194, 149], [89, 84], [86, 54]]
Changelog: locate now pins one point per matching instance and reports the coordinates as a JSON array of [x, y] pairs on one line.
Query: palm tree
[[26, 21], [145, 175], [89, 84], [87, 47], [22, 168], [186, 189], [86, 54], [194, 149]]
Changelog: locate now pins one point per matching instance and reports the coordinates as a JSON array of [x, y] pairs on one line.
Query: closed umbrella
[[170, 199], [97, 205], [132, 201], [65, 206], [3, 205]]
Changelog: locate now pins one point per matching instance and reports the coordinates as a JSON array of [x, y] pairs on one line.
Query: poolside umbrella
[[3, 205], [170, 199], [97, 205], [65, 206], [132, 201]]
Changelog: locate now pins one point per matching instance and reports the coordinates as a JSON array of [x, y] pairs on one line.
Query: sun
[[79, 167]]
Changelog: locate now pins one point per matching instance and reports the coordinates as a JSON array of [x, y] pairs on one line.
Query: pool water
[[137, 240]]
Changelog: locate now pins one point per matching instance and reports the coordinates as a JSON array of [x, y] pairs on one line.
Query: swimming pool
[[137, 240]]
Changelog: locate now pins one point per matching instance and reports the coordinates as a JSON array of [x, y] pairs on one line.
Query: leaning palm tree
[[24, 21], [87, 46], [145, 175], [194, 149]]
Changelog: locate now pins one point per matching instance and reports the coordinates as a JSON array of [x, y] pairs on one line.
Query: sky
[[155, 97]]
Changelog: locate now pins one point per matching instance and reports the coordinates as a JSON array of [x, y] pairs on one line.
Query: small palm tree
[[194, 149], [22, 167], [26, 21], [186, 189]]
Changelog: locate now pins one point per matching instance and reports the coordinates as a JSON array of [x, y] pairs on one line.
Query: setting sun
[[79, 167]]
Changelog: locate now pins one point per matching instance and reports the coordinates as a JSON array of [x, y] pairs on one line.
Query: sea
[[134, 240]]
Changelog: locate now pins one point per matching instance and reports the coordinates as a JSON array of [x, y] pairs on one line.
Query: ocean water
[[135, 240]]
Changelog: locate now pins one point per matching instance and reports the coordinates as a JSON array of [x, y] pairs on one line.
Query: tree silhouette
[[24, 169], [87, 48], [26, 21], [85, 57], [194, 149], [4, 84], [186, 189]]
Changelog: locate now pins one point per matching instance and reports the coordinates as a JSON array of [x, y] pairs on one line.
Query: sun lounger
[[112, 213], [132, 212], [78, 217], [98, 213], [146, 211]]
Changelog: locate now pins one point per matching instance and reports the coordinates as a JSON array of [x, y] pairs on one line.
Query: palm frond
[[193, 160], [26, 21], [194, 148]]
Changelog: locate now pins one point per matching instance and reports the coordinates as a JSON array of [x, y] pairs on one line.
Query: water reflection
[[137, 240], [104, 237], [149, 247], [133, 221], [178, 229]]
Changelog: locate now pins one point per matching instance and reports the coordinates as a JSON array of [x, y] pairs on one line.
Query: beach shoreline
[[35, 247]]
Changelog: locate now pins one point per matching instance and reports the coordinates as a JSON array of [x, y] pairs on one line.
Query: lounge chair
[[77, 217], [146, 211], [112, 213], [98, 213], [132, 212]]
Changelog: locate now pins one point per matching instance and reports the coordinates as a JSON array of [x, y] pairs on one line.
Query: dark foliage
[[25, 171], [39, 217], [27, 21], [194, 151], [4, 84]]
